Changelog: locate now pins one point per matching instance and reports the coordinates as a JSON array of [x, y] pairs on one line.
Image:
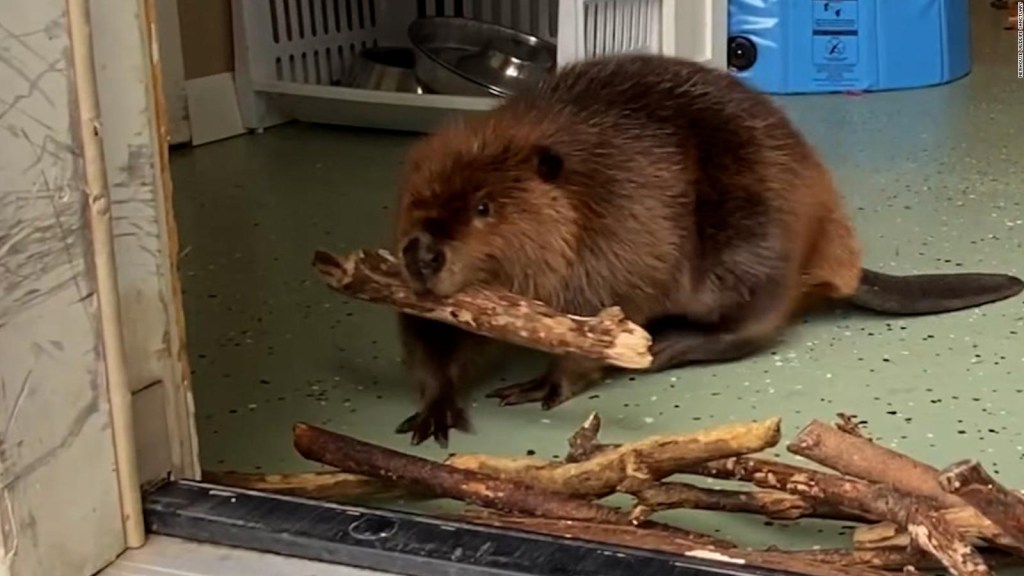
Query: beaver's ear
[[549, 163]]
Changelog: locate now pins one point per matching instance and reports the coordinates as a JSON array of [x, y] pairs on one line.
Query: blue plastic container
[[813, 46]]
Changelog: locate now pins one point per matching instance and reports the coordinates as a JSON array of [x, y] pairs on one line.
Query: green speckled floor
[[935, 179]]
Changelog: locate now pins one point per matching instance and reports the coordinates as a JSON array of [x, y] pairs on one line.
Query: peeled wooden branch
[[597, 470], [771, 504], [375, 277], [332, 486], [838, 496], [927, 528], [861, 458], [971, 482], [763, 473], [584, 443], [637, 463], [760, 472], [583, 440], [857, 456], [768, 474], [967, 521], [895, 559], [795, 563], [859, 498], [658, 496], [930, 532], [357, 457], [774, 475]]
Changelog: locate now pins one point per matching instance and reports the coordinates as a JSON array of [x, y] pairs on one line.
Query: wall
[[206, 40], [59, 507]]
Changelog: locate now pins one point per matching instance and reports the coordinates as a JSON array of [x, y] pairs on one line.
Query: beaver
[[654, 183]]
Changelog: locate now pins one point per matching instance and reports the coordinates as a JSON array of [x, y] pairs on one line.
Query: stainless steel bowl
[[467, 57], [385, 68]]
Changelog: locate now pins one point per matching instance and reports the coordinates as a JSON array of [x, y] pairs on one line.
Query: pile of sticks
[[912, 516]]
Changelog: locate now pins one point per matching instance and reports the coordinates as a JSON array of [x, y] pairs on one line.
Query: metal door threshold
[[396, 543]]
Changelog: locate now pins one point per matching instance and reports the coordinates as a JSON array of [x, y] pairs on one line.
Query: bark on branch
[[374, 276], [771, 504], [967, 521], [848, 451], [928, 529], [861, 458], [1005, 508], [357, 457]]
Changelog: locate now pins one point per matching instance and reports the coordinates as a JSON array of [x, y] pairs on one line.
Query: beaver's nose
[[423, 257]]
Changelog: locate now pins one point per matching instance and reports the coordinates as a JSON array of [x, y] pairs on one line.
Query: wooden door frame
[[172, 71]]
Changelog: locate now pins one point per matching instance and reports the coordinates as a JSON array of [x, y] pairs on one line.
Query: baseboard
[[213, 108]]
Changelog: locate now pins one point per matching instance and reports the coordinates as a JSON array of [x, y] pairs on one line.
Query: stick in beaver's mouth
[[374, 276]]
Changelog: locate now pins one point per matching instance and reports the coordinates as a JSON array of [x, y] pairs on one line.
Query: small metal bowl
[[387, 68], [467, 57]]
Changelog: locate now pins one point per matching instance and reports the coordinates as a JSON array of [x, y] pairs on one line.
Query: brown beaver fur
[[648, 182]]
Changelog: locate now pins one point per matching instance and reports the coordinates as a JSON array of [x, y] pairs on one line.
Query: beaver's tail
[[932, 293]]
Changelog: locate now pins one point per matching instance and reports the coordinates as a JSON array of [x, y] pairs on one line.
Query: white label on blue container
[[835, 30]]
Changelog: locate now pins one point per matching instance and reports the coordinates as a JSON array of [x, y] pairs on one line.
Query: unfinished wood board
[[213, 108]]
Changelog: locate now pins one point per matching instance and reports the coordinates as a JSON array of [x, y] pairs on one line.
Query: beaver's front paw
[[543, 389]]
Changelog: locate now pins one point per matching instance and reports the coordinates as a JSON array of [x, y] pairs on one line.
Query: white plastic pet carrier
[[291, 55]]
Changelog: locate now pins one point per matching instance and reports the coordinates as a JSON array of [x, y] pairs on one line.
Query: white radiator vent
[[291, 56], [611, 27], [314, 40], [537, 17]]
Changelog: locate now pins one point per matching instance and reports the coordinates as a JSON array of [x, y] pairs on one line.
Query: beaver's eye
[[483, 209]]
